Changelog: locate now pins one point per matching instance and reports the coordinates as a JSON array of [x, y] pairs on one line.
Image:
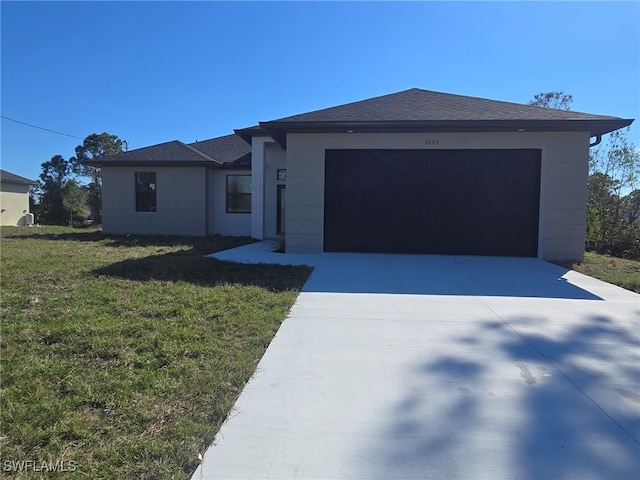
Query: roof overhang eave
[[277, 135], [19, 183], [152, 163], [279, 130], [248, 133]]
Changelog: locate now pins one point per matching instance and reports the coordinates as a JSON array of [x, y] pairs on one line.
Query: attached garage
[[428, 172], [469, 202]]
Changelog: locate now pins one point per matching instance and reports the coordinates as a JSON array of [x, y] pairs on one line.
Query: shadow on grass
[[539, 406], [190, 266], [204, 245]]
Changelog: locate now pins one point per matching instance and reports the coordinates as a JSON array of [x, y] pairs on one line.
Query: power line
[[41, 128]]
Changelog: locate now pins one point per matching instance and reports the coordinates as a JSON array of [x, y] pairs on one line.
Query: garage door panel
[[481, 202]]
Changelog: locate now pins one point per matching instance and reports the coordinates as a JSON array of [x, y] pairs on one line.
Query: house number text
[[431, 141]]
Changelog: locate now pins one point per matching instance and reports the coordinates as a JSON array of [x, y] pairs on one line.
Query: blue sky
[[151, 72]]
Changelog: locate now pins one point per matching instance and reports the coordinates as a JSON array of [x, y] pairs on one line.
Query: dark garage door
[[468, 202]]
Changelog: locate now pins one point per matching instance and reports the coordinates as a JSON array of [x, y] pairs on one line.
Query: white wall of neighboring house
[[14, 202], [563, 189]]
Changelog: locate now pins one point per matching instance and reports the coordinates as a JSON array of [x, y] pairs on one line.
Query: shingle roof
[[418, 110], [413, 110], [172, 153], [9, 177], [425, 105], [230, 150]]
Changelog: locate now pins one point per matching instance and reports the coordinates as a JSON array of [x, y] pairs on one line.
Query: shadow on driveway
[[443, 275], [564, 408]]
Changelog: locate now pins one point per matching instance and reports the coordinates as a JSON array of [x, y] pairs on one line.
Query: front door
[[282, 202]]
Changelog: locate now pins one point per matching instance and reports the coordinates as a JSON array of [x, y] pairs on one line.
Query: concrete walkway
[[440, 367]]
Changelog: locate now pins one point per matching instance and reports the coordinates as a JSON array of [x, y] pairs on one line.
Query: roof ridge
[[199, 153], [148, 146], [232, 134]]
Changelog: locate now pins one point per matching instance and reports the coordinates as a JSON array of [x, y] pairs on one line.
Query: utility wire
[[41, 128]]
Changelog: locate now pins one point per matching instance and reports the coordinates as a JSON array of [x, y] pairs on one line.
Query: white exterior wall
[[180, 201], [221, 222], [14, 200], [563, 188]]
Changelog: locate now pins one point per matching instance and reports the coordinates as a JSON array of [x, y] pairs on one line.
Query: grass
[[621, 272], [122, 356]]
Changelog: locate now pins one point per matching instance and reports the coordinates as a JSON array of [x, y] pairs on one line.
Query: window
[[281, 208], [238, 193], [282, 174], [145, 191]]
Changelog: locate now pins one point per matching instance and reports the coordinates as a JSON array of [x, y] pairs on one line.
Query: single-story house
[[415, 171], [14, 199]]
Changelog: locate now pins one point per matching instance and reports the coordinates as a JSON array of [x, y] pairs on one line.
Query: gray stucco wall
[[221, 222], [563, 189], [180, 197], [239, 224]]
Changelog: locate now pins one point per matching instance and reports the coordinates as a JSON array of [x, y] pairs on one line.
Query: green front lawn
[[621, 272], [121, 356]]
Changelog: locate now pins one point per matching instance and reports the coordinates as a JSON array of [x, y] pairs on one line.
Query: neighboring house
[[414, 171], [14, 198]]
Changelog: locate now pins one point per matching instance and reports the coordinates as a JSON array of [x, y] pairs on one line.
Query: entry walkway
[[419, 367]]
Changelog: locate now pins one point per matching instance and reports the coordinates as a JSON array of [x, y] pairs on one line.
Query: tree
[[613, 206], [632, 206], [55, 173], [614, 202], [74, 199], [557, 100], [603, 211], [94, 146]]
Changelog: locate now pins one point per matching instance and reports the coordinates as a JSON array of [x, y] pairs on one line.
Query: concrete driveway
[[440, 367]]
